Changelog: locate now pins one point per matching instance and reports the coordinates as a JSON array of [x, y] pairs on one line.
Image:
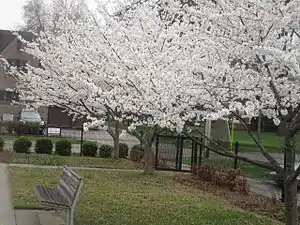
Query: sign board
[[53, 131], [8, 117]]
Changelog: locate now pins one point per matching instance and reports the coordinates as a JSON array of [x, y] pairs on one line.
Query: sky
[[11, 13]]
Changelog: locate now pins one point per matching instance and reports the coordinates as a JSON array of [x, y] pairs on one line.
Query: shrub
[[9, 126], [63, 147], [22, 145], [1, 144], [105, 151], [227, 178], [123, 150], [28, 128], [20, 128], [43, 146], [136, 153], [89, 149]]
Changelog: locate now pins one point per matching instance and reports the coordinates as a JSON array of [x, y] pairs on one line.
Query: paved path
[[267, 188], [258, 156], [76, 168], [7, 216]]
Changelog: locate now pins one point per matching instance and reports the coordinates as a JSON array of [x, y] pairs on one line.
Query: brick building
[[10, 49]]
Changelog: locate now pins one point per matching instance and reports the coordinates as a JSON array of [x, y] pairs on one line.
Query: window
[[8, 96]]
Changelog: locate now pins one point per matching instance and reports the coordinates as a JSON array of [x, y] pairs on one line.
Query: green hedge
[[21, 128], [105, 151], [1, 144], [22, 145], [63, 147], [43, 146], [123, 150], [136, 153], [89, 149]]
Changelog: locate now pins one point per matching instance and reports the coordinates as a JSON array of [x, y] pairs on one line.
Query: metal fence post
[[236, 148], [194, 157], [156, 151], [81, 141], [181, 152], [201, 151]]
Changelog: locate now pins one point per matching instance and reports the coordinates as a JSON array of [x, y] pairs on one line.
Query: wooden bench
[[62, 197]]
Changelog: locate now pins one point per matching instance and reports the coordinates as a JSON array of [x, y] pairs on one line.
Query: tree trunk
[[281, 130], [208, 134], [259, 125], [148, 167], [116, 139], [290, 203], [290, 189]]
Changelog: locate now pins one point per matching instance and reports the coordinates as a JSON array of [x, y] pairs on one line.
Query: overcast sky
[[11, 13]]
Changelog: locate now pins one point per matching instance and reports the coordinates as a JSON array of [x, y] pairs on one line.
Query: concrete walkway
[[7, 216], [72, 167], [267, 189]]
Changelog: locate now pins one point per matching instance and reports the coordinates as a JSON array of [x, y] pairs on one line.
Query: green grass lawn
[[73, 160], [127, 198], [34, 138], [271, 141], [246, 169]]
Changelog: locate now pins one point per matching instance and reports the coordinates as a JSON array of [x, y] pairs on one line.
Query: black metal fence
[[180, 153], [176, 153]]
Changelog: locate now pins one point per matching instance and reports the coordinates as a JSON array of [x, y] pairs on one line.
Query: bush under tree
[[105, 151], [20, 127], [136, 153], [89, 149], [1, 144], [43, 146], [123, 150], [63, 148], [22, 145]]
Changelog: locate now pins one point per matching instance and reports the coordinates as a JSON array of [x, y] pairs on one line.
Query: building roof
[[7, 36]]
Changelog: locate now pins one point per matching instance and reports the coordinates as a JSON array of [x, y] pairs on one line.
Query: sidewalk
[[267, 189], [7, 216], [72, 167]]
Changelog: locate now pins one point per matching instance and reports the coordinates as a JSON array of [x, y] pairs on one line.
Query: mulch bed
[[251, 202]]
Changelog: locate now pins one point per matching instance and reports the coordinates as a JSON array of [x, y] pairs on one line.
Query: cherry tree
[[249, 65], [107, 68]]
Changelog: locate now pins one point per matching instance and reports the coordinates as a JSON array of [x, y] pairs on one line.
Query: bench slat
[[51, 195], [69, 184]]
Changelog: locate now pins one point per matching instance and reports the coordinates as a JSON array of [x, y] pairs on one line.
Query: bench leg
[[70, 217]]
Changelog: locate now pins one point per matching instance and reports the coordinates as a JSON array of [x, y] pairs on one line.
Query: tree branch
[[261, 147]]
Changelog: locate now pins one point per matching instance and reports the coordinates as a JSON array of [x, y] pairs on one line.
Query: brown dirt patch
[[251, 202]]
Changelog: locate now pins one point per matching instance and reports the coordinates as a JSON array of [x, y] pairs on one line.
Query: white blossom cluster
[[208, 60]]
